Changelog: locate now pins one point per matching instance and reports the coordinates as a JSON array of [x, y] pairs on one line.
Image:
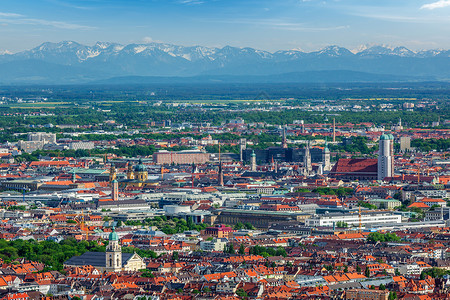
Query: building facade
[[181, 157], [386, 157]]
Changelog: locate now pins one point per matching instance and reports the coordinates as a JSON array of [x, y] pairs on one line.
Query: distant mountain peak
[[76, 62]]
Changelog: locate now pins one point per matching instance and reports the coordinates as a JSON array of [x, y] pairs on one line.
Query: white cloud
[[56, 24], [18, 19], [10, 15], [147, 40], [191, 2], [437, 4]]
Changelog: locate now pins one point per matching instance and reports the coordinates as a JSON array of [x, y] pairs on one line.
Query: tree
[[434, 272], [382, 237], [175, 256], [358, 269], [249, 226], [341, 224], [392, 295], [238, 226], [241, 293], [367, 272], [382, 287], [190, 223], [242, 249], [231, 249]]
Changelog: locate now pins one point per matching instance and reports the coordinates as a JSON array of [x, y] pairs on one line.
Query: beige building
[[385, 203], [181, 157], [366, 294]]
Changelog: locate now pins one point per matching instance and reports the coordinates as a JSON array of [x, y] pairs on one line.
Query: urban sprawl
[[233, 209]]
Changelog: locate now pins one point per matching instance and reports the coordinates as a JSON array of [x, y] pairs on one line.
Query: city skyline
[[307, 25]]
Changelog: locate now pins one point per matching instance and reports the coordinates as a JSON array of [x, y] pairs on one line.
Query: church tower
[[284, 143], [307, 160], [386, 157], [221, 174], [113, 253], [115, 190], [326, 158], [253, 162], [112, 173], [130, 173]]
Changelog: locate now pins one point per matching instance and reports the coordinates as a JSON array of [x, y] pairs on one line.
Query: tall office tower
[[386, 157], [242, 147]]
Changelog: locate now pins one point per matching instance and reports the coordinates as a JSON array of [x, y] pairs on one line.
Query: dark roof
[[95, 259], [356, 166]]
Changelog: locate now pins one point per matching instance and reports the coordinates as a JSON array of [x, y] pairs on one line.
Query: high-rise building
[[386, 157], [405, 143], [242, 147]]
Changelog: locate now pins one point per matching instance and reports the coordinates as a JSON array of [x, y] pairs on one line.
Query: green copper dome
[[386, 137], [113, 236], [140, 167]]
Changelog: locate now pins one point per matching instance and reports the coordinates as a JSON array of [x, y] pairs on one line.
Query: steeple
[[326, 158], [285, 145], [113, 253], [74, 175], [112, 172], [220, 174], [115, 190], [307, 160], [253, 161]]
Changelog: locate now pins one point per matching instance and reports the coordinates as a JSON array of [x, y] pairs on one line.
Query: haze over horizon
[[267, 25]]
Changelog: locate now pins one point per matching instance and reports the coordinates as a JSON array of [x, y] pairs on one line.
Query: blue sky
[[269, 25]]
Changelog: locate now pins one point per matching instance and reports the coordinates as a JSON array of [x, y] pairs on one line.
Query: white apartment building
[[213, 245], [352, 219]]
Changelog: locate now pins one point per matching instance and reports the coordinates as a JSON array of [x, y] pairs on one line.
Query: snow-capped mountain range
[[68, 61]]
